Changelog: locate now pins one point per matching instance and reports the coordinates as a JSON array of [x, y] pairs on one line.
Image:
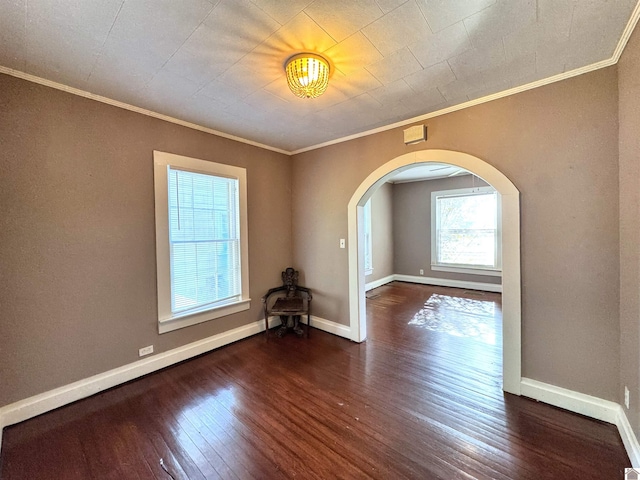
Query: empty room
[[318, 239]]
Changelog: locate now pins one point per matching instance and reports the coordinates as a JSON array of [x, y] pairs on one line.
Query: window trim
[[490, 272], [464, 268], [368, 228], [168, 321]]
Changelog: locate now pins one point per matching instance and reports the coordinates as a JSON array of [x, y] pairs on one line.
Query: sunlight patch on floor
[[459, 317]]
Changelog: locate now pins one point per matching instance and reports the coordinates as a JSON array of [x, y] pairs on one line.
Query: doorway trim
[[511, 286]]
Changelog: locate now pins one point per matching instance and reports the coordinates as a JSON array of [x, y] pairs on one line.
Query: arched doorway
[[511, 299]]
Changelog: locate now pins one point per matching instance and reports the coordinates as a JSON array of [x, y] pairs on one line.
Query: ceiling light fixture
[[307, 75]]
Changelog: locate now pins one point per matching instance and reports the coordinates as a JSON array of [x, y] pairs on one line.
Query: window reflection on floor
[[460, 317]]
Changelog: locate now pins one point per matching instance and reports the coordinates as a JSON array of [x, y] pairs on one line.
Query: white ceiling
[[219, 64], [427, 171]]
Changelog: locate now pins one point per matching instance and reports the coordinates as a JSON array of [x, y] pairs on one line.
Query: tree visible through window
[[466, 230]]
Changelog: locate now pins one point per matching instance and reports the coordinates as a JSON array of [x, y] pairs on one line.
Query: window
[[368, 243], [465, 230], [201, 240]]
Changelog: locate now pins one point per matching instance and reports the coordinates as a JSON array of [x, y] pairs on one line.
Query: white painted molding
[[442, 282], [589, 406], [33, 406], [467, 271], [461, 106], [319, 323], [622, 43], [22, 410], [445, 282], [331, 327], [511, 287], [581, 403], [505, 93], [629, 438], [30, 407], [133, 108], [379, 282], [626, 33]]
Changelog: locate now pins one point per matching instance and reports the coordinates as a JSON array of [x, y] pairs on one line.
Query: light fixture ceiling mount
[[307, 74]]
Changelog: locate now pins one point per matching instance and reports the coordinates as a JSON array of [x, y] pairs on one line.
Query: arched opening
[[511, 287]]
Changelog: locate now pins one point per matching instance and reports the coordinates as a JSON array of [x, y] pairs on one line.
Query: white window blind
[[467, 229], [204, 240]]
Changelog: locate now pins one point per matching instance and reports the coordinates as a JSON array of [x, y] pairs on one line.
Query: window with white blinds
[[204, 239], [200, 240]]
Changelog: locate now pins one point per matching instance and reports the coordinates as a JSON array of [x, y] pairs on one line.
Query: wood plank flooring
[[420, 399]]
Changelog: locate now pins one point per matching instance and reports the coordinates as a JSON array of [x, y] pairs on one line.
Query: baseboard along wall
[[588, 406], [38, 404], [629, 438], [378, 283], [440, 282], [22, 410], [44, 402]]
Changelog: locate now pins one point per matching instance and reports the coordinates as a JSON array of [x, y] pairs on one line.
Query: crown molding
[[462, 106], [626, 33], [617, 53], [622, 43], [133, 108]]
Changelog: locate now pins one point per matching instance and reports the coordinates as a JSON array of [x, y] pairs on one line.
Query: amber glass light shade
[[307, 75]]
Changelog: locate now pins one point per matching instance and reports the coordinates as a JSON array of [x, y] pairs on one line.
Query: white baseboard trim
[[319, 323], [22, 410], [629, 438], [379, 282], [576, 402], [445, 282], [38, 404], [331, 327], [589, 406], [441, 282]]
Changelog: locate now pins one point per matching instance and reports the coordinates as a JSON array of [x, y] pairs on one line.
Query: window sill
[[467, 270], [186, 320]]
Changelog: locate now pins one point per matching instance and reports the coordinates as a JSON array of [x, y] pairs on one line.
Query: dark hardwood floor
[[421, 398]]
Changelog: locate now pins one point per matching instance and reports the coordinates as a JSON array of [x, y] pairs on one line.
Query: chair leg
[[308, 324], [284, 326], [297, 325]]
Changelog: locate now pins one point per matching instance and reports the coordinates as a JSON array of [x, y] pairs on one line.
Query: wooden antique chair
[[291, 302]]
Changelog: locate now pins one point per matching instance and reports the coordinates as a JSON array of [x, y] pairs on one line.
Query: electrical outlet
[[343, 243], [421, 272], [145, 351], [626, 397]]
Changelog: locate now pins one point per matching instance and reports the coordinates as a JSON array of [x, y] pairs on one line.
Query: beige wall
[[412, 227], [629, 115], [382, 233], [558, 145], [77, 235], [77, 277]]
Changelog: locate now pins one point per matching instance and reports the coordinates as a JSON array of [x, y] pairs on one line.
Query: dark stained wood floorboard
[[420, 399]]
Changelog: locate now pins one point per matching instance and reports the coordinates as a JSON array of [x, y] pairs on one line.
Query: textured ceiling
[[427, 171], [219, 64]]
